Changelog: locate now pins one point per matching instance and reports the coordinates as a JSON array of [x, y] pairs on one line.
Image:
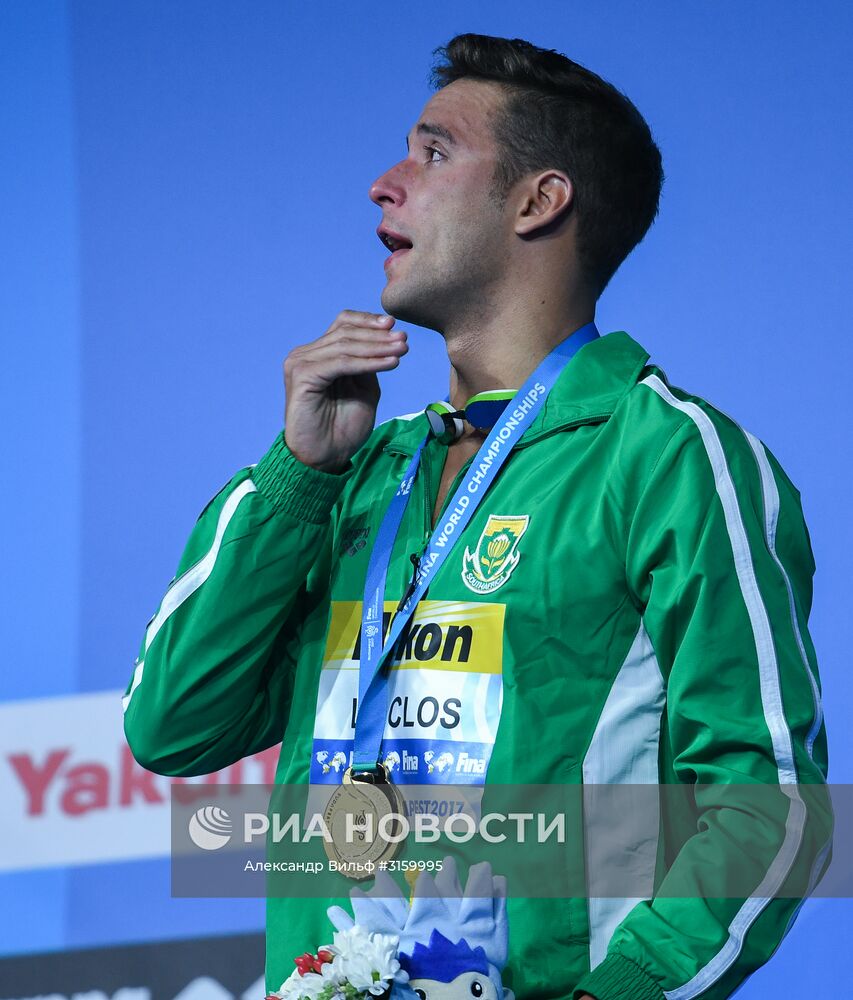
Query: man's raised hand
[[332, 390]]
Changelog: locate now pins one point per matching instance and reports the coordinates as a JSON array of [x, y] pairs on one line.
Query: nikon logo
[[464, 636], [426, 640]]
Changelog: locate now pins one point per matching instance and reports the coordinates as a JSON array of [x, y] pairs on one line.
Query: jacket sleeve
[[719, 561], [213, 679]]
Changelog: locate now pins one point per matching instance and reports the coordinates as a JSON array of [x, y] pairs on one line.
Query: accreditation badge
[[362, 817]]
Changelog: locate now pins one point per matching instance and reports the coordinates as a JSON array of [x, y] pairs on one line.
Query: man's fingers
[[357, 343], [326, 423], [355, 317], [322, 372], [359, 331], [356, 348], [352, 341]]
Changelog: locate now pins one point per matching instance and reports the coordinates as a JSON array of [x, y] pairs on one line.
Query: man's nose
[[389, 187]]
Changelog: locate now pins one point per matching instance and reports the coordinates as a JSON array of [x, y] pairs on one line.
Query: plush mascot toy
[[453, 944]]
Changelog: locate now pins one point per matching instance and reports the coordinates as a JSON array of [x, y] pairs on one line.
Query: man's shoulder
[[662, 419], [655, 407]]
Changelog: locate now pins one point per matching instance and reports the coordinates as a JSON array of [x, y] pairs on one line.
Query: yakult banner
[[72, 792]]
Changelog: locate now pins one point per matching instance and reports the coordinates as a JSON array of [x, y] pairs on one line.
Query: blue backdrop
[[184, 193]]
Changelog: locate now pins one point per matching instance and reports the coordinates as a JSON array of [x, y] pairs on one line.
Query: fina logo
[[210, 828], [440, 762]]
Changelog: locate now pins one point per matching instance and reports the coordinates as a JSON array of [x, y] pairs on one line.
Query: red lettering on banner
[[88, 788], [36, 779], [136, 781], [91, 785]]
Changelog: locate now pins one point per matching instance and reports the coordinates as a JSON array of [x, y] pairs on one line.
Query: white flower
[[297, 987], [333, 973], [367, 961]]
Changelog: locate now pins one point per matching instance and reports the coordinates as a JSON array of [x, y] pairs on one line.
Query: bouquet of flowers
[[359, 964]]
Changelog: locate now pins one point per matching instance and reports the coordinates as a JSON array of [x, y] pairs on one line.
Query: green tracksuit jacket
[[628, 604]]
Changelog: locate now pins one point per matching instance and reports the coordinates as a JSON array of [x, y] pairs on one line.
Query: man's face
[[438, 199]]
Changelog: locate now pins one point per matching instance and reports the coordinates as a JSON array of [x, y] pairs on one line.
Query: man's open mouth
[[395, 242]]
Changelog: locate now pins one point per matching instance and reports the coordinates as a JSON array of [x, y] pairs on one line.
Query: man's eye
[[433, 149]]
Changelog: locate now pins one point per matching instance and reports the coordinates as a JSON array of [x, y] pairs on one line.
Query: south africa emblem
[[496, 555]]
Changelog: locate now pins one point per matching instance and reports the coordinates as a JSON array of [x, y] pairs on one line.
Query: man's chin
[[403, 307]]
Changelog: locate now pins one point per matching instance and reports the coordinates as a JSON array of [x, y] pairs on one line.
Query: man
[[628, 603]]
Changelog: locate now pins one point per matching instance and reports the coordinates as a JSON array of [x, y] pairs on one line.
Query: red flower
[[312, 963], [305, 963]]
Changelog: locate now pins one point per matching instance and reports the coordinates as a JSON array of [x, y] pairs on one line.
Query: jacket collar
[[587, 391]]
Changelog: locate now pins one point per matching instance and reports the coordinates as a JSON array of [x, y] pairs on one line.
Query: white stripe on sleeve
[[771, 700], [189, 582], [771, 515]]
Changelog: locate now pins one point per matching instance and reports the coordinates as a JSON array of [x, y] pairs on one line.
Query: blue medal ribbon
[[519, 414]]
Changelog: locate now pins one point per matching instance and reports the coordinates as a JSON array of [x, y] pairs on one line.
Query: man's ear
[[545, 200]]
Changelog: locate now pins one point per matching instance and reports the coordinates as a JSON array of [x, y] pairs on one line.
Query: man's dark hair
[[558, 114]]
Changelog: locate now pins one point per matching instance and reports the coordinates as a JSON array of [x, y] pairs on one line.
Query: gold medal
[[361, 815]]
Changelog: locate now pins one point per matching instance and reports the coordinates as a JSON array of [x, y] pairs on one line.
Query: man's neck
[[504, 355]]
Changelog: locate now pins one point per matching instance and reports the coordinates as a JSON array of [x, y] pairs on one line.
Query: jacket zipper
[[415, 557], [426, 472], [450, 492]]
